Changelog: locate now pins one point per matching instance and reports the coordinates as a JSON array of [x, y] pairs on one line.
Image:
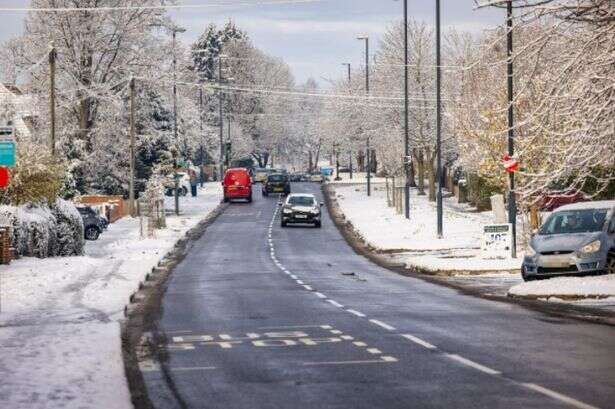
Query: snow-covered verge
[[59, 317], [567, 288], [415, 241]]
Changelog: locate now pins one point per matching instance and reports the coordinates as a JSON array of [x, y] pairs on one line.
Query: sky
[[314, 37]]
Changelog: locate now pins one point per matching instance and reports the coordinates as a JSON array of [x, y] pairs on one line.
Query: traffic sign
[[511, 165], [5, 176], [7, 153]]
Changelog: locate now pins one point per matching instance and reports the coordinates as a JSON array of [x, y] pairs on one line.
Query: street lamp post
[[438, 122], [406, 115], [512, 205], [221, 118], [175, 30], [202, 150], [367, 148]]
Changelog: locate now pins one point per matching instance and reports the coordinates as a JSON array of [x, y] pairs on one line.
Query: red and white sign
[[5, 176], [510, 164]]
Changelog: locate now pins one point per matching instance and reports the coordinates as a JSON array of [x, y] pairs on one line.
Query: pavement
[[259, 316]]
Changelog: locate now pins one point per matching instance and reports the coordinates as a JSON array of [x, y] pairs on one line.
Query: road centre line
[[300, 282], [336, 332], [307, 287], [346, 337], [360, 344], [320, 295], [558, 396], [419, 341], [473, 364], [335, 303], [383, 325], [374, 351], [357, 313]]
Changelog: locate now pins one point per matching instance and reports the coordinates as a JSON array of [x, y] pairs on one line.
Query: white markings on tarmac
[[335, 303], [374, 351], [419, 341], [320, 295], [357, 313], [473, 364], [383, 325], [558, 396]]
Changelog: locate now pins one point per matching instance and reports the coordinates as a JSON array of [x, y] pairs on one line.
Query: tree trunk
[[361, 161], [374, 162], [310, 163], [431, 174], [410, 176], [418, 158]]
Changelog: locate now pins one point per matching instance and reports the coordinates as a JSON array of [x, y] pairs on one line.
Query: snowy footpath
[[60, 343], [457, 255]]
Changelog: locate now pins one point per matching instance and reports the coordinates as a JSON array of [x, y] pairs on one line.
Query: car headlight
[[590, 248], [315, 211], [287, 211], [529, 251]]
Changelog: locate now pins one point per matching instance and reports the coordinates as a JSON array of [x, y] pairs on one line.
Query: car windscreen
[[574, 221], [301, 201], [276, 178]]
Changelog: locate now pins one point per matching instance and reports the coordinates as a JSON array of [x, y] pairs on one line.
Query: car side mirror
[[321, 204]]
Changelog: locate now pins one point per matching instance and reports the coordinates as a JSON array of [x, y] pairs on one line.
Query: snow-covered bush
[[41, 231], [69, 231]]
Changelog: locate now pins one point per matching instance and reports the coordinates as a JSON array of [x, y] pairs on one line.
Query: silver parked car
[[575, 239]]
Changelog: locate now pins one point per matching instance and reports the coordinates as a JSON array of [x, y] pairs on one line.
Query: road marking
[[558, 396], [419, 341], [196, 368], [297, 326], [326, 327], [320, 295], [366, 361], [300, 282], [360, 344], [357, 313], [332, 302], [336, 331], [294, 277], [347, 337], [374, 351], [473, 364], [307, 287], [383, 325]]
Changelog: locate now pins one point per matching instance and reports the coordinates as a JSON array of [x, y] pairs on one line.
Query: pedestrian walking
[[194, 182]]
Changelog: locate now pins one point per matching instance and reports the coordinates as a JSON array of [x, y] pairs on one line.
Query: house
[[17, 110]]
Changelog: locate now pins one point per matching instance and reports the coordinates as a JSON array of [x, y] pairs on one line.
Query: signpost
[[497, 240], [7, 146]]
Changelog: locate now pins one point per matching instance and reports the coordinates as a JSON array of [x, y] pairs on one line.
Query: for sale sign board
[[497, 240]]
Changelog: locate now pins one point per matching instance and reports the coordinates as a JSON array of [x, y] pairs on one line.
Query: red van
[[237, 184]]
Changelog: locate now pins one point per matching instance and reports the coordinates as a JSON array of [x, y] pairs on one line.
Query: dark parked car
[[93, 224], [301, 208], [277, 183], [575, 239], [550, 201]]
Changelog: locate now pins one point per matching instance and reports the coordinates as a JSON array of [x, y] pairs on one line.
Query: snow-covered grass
[[59, 318], [415, 241], [568, 288], [357, 178]]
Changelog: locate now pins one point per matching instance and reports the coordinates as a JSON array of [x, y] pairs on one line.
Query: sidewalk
[[59, 318], [457, 257]]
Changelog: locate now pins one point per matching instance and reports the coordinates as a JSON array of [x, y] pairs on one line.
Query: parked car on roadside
[[317, 177], [277, 183], [93, 224], [550, 201], [237, 184], [301, 208], [575, 239]]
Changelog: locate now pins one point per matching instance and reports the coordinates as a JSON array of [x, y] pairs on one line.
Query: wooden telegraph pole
[[131, 188], [52, 98]]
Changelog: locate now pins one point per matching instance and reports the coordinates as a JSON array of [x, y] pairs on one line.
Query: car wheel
[[250, 199], [283, 224], [317, 224], [525, 276], [610, 263], [265, 193], [183, 191], [91, 233], [226, 199]]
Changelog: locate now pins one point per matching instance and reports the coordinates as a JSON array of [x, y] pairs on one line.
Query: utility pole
[[175, 30], [348, 66], [202, 150], [52, 98], [367, 148], [438, 122], [512, 204], [221, 118], [406, 115], [131, 188]]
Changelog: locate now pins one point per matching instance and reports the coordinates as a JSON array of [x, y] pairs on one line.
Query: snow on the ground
[[415, 241], [568, 288], [357, 177], [59, 328]]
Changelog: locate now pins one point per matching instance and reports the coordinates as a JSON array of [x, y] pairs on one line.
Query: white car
[[317, 177]]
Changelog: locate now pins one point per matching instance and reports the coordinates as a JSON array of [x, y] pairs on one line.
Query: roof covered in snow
[[599, 204]]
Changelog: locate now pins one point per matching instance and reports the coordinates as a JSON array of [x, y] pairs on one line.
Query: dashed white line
[[388, 359], [383, 325], [558, 396], [336, 332], [374, 351], [357, 313], [347, 337], [332, 302], [473, 364], [419, 341], [373, 361], [326, 327], [307, 287], [300, 282], [360, 344], [320, 295]]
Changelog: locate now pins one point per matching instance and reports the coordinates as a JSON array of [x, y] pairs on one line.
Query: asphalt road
[[257, 316]]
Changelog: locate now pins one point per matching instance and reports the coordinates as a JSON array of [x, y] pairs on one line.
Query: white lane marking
[[294, 277], [558, 396], [357, 313], [419, 341], [320, 295], [336, 331], [374, 351], [332, 302], [347, 337], [326, 327], [297, 326], [307, 287], [360, 344], [473, 364], [300, 282], [196, 368], [382, 360], [383, 325]]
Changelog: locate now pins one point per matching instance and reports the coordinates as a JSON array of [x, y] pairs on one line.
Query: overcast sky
[[314, 38]]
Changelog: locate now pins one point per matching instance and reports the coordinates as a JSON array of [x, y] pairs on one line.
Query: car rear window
[[276, 178], [301, 200]]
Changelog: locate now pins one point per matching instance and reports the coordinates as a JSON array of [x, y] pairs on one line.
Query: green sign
[[7, 153]]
